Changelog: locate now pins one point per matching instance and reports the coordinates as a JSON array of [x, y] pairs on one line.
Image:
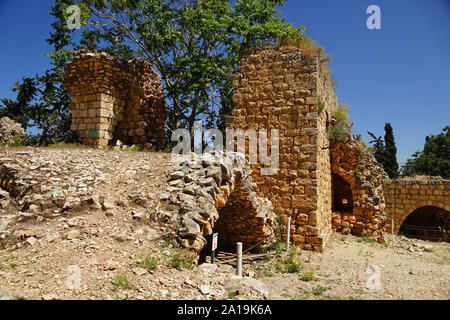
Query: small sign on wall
[[93, 133]]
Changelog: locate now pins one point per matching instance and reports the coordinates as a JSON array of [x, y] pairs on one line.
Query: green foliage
[[365, 238], [321, 106], [290, 264], [391, 164], [121, 282], [133, 148], [232, 295], [341, 128], [357, 173], [308, 276], [319, 290], [433, 160], [385, 151], [168, 237], [181, 259], [149, 262]]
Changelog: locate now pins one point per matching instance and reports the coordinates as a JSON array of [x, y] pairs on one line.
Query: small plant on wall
[[341, 128]]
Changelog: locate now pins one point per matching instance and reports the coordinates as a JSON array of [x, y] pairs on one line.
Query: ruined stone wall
[[114, 99], [403, 196], [278, 88], [365, 176], [215, 193]]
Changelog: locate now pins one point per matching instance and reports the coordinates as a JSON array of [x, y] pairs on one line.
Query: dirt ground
[[93, 253], [349, 268]]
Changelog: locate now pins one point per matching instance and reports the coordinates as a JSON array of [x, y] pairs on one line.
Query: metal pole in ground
[[392, 226], [288, 233], [239, 259]]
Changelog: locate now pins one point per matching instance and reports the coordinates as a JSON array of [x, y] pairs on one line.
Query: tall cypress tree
[[390, 157]]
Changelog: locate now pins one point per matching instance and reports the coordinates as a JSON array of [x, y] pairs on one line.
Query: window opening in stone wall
[[342, 195]]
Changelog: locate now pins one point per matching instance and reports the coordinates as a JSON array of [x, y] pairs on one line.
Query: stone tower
[[279, 88]]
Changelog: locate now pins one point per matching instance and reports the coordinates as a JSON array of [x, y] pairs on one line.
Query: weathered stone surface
[[219, 196], [281, 89], [404, 196], [364, 177], [11, 132], [127, 104]]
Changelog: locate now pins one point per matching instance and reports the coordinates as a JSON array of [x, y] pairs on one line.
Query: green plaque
[[93, 133]]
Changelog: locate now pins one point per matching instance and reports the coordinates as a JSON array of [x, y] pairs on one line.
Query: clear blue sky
[[399, 74]]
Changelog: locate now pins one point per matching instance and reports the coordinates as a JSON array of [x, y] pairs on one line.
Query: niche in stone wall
[[342, 195]]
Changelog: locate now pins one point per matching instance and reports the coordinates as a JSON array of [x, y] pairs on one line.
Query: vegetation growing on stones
[[341, 127]]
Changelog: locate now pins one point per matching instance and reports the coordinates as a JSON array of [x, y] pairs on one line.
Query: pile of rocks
[[11, 132], [39, 184], [200, 195], [114, 98]]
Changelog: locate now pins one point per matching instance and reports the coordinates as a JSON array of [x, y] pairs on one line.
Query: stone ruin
[[114, 99], [214, 192], [279, 88], [11, 132], [322, 185]]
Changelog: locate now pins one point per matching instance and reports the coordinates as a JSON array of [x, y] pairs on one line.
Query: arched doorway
[[427, 223], [342, 195], [243, 218]]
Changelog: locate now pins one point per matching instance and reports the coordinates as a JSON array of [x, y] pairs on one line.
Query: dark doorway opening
[[427, 223], [342, 195]]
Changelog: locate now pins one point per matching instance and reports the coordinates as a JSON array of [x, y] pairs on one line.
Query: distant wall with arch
[[403, 197]]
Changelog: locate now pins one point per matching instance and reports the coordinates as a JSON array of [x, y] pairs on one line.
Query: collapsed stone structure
[[357, 179], [115, 99], [322, 185], [214, 192], [11, 132], [279, 88]]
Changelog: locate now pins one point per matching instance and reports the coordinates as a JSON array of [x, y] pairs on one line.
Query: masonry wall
[[365, 176], [278, 88], [114, 99], [404, 196]]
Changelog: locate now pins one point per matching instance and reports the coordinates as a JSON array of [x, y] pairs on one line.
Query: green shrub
[[181, 259], [319, 290], [321, 106], [308, 276], [149, 262], [121, 282], [341, 128], [357, 173], [366, 238]]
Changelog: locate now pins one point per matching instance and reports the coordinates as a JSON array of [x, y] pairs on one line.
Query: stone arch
[[426, 222], [215, 187], [404, 214]]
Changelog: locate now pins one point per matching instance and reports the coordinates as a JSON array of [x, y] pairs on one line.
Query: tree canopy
[[195, 46], [385, 151], [433, 160]]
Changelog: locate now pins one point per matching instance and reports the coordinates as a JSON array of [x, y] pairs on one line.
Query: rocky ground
[[75, 223]]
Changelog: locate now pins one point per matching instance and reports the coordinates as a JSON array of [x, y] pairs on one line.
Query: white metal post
[[288, 233], [239, 259]]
